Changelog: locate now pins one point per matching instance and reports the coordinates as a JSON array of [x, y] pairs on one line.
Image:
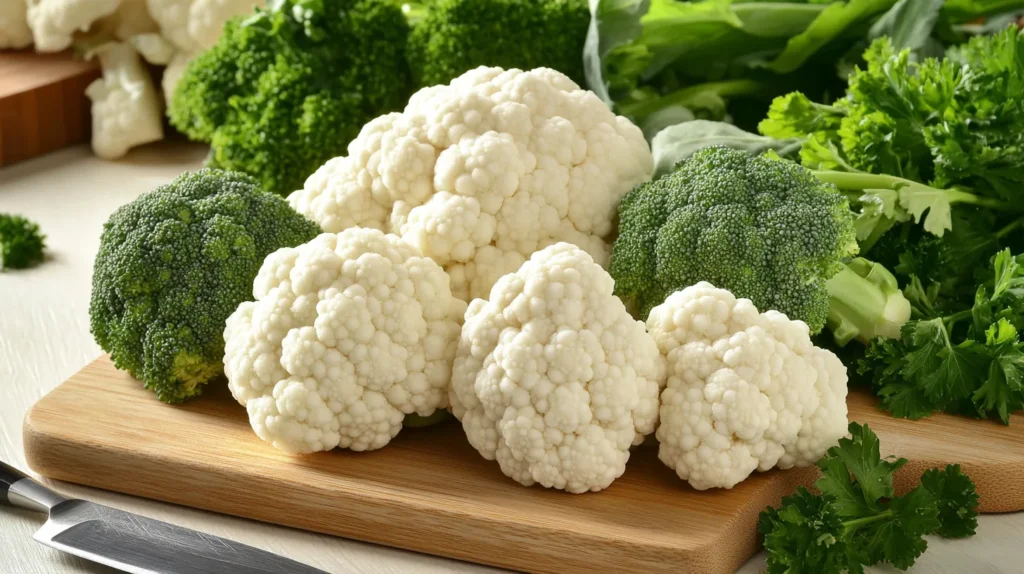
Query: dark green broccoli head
[[458, 35], [21, 244], [174, 264], [763, 228], [288, 88]]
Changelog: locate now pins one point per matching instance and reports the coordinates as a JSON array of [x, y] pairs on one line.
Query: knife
[[133, 543]]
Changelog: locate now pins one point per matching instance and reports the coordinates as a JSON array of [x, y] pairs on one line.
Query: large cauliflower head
[[481, 173], [745, 391], [553, 377], [349, 333]]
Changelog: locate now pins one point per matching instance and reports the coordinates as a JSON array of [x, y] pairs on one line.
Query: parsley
[[969, 362], [857, 520]]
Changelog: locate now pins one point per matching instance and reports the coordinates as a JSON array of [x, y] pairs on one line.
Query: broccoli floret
[[289, 87], [174, 264], [458, 35], [21, 244], [763, 228]]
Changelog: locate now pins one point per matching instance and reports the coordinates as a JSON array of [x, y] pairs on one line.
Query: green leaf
[[795, 115], [676, 143], [901, 537], [1003, 390], [613, 23], [957, 501], [830, 24], [805, 535], [918, 199], [908, 23], [859, 456]]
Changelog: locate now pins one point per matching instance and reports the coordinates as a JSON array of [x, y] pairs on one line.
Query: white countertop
[[44, 339]]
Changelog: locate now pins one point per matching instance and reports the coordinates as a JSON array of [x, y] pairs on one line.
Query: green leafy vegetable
[[678, 142], [857, 520], [830, 24], [968, 361], [174, 264], [455, 36], [287, 88], [21, 243], [939, 133]]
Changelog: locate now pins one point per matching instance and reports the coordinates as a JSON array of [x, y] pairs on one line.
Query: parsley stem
[[851, 525], [950, 320]]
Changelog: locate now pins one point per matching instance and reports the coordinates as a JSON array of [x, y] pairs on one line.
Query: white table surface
[[44, 339]]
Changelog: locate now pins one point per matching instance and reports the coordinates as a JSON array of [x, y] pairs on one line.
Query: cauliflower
[[54, 22], [553, 378], [14, 30], [126, 109], [481, 173], [349, 333], [746, 390], [195, 25]]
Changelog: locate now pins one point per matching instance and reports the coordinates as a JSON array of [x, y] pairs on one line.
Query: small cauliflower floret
[[195, 25], [553, 377], [14, 30], [483, 172], [746, 390], [126, 109], [54, 22], [348, 335]]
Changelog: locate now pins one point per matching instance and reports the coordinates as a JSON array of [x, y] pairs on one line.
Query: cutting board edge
[[43, 447]]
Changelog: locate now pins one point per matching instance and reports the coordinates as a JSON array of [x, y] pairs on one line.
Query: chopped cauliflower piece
[[746, 390], [553, 377], [348, 335], [54, 22], [126, 109], [195, 25], [481, 173]]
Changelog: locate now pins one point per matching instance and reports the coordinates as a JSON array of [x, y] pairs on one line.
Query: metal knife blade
[[134, 543], [141, 545]]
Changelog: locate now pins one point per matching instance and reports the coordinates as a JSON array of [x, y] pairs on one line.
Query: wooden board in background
[[43, 107], [430, 491]]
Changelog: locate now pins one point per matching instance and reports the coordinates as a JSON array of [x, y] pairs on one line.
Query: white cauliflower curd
[[746, 390], [553, 377], [349, 333], [126, 108], [481, 173]]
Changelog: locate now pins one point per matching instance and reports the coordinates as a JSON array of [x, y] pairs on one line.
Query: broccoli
[[21, 244], [174, 264], [288, 87], [455, 36], [762, 227]]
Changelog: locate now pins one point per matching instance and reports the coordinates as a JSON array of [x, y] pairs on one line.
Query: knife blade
[[134, 543]]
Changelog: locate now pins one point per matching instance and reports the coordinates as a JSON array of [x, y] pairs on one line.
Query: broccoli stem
[[865, 302], [689, 96]]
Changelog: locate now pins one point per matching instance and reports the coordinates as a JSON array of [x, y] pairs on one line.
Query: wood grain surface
[[430, 491], [43, 106]]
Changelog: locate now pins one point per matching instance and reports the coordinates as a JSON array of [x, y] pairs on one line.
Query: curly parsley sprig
[[857, 520]]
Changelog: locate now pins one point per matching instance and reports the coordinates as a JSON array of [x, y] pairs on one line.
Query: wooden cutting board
[[43, 107], [430, 491]]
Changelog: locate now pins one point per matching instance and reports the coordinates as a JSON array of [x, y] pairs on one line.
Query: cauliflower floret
[[746, 390], [196, 25], [483, 172], [553, 378], [54, 22], [172, 73], [14, 30], [126, 109], [349, 333]]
